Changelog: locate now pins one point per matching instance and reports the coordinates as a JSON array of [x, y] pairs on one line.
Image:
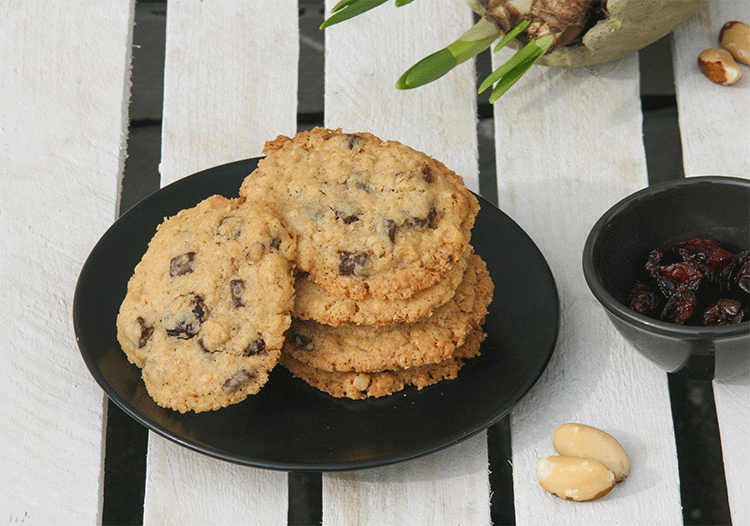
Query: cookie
[[356, 385], [372, 217], [208, 304], [366, 348], [313, 302]]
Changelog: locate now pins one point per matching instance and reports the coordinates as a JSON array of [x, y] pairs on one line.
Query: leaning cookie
[[206, 309], [313, 302], [357, 385], [372, 217], [365, 348]]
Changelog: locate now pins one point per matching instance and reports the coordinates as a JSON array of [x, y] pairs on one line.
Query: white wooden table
[[569, 145]]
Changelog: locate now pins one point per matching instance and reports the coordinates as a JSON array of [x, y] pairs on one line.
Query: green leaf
[[347, 9], [511, 78], [521, 61], [513, 33], [475, 40], [428, 69]]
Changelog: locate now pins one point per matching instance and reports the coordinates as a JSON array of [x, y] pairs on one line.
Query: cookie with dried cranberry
[[357, 385], [372, 217], [208, 304], [364, 348], [313, 302]]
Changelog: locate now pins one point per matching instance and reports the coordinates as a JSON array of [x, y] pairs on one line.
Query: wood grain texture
[[63, 124], [230, 85], [714, 120], [569, 146], [715, 126], [451, 487], [230, 81], [438, 119]]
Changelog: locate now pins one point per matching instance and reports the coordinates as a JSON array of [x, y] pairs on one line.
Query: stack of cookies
[[388, 291], [345, 258]]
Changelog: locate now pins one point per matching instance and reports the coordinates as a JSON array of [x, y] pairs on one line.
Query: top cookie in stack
[[373, 218], [383, 244]]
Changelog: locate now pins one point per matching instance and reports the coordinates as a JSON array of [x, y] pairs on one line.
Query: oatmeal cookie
[[372, 217], [207, 306], [356, 385], [313, 302], [365, 348]]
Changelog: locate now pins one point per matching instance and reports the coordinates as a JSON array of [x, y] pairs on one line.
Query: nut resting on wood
[[575, 478], [719, 66], [735, 38], [589, 464]]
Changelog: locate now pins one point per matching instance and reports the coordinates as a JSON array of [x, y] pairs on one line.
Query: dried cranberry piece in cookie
[[351, 262], [303, 342], [346, 218], [184, 316], [237, 381], [182, 264], [255, 347], [237, 289], [430, 220]]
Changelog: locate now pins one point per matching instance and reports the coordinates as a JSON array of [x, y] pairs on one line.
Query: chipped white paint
[[62, 132], [715, 126]]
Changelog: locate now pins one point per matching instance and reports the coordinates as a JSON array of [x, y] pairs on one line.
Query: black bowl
[[662, 216]]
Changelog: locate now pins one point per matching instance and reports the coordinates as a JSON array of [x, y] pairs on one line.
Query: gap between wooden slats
[[569, 145], [715, 126], [451, 487], [230, 84], [63, 97]]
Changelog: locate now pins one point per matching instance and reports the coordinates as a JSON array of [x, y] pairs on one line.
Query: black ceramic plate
[[289, 425]]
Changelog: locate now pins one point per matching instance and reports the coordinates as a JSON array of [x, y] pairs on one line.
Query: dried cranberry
[[237, 381], [349, 261], [188, 320], [742, 277], [714, 262], [303, 342], [653, 263], [237, 289], [642, 299], [182, 264], [724, 312], [429, 221], [684, 275], [390, 228], [146, 332], [255, 347], [680, 306], [347, 219]]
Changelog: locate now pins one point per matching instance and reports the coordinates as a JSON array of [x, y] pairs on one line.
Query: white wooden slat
[[715, 126], [230, 84], [714, 119], [569, 145], [230, 81], [452, 486], [64, 86]]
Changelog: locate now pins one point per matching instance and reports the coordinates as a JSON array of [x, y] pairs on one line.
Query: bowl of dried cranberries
[[670, 264]]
